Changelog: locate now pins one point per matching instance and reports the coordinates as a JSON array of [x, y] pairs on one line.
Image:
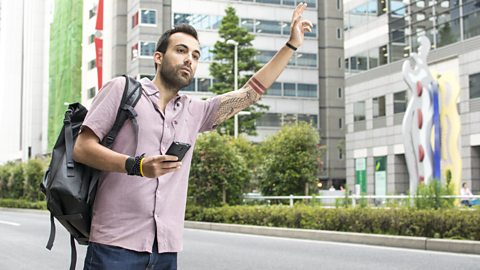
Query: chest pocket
[[184, 129]]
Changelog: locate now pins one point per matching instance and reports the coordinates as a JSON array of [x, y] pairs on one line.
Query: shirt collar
[[151, 90]]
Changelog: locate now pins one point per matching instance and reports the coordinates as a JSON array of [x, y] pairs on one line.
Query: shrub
[[444, 223]]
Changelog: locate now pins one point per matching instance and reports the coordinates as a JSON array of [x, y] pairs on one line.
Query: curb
[[422, 243]]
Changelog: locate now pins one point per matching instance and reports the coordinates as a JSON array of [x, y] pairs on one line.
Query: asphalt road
[[23, 235]]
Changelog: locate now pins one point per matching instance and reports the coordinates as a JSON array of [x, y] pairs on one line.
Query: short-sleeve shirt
[[130, 211]]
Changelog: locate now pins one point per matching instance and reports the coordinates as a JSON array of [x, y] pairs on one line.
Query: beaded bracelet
[[137, 168]]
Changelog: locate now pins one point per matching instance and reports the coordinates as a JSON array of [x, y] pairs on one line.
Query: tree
[[222, 69], [219, 173], [253, 158], [291, 161]]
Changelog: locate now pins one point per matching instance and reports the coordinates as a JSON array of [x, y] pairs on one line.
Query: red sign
[[99, 43]]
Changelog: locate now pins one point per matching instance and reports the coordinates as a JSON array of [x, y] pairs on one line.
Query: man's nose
[[188, 60]]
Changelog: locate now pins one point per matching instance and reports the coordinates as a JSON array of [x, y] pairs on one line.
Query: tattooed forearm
[[233, 102]]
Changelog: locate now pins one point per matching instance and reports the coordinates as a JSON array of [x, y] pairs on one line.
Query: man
[[140, 203], [466, 195]]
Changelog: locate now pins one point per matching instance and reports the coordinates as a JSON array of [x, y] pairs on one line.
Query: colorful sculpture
[[431, 125]]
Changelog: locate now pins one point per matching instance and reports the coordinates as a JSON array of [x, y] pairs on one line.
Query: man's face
[[179, 63]]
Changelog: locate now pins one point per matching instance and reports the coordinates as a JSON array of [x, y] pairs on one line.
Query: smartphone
[[178, 149]]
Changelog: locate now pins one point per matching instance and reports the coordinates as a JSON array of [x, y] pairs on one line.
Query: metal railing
[[353, 197]]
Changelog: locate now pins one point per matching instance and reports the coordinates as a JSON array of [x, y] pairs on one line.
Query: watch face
[[98, 34]]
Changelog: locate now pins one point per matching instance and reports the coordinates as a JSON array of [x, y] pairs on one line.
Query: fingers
[[297, 13], [155, 166], [306, 25]]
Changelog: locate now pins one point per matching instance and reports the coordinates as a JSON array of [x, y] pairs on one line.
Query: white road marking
[[9, 223]]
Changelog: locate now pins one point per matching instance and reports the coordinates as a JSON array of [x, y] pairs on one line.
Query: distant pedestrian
[[466, 195]]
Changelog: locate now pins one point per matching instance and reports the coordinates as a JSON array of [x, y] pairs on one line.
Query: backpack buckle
[[70, 164], [109, 140], [67, 120]]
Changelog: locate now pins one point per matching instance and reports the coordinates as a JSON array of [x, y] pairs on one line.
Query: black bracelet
[[291, 46], [136, 168]]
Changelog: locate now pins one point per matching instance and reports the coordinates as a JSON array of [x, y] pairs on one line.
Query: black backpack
[[69, 186]]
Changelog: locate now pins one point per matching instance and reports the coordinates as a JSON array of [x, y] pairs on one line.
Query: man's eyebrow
[[186, 47]]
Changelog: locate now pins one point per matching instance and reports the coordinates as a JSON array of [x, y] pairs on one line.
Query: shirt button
[[175, 122]]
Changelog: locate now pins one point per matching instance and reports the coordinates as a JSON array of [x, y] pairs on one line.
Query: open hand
[[299, 25]]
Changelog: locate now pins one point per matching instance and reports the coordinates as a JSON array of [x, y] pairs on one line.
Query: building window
[[289, 90], [307, 90], [339, 93], [339, 4], [92, 12], [339, 33], [205, 54], [203, 84], [264, 56], [268, 27], [134, 51], [340, 153], [359, 111], [135, 19], [148, 17], [471, 21], [199, 21], [340, 123], [269, 1], [312, 119], [91, 92], [400, 102], [147, 48], [307, 59], [379, 106], [339, 62], [275, 89], [474, 85], [91, 38], [91, 64], [190, 87], [247, 24], [270, 120]]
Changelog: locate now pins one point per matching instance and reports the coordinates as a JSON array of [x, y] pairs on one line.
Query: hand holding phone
[[178, 149]]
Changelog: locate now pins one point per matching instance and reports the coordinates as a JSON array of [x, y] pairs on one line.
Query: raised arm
[[235, 101]]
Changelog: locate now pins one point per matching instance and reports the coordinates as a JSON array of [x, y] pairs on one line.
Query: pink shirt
[[129, 210]]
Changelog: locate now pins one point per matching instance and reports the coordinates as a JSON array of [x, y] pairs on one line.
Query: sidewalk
[[423, 243]]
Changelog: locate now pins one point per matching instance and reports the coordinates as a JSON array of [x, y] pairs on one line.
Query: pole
[[235, 86]]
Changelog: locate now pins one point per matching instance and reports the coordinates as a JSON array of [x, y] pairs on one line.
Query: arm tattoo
[[235, 101]]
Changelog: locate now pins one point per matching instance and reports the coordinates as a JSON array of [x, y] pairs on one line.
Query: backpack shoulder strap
[[131, 95]]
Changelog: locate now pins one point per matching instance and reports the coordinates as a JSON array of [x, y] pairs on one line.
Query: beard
[[172, 78]]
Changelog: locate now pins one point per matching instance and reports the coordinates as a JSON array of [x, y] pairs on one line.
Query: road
[[23, 235]]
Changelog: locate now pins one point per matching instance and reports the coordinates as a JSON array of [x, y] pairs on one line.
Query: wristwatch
[[129, 163]]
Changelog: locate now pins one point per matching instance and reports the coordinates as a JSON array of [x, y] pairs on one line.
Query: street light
[[235, 80], [235, 84]]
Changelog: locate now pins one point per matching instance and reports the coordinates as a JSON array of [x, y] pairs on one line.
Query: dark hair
[[162, 43]]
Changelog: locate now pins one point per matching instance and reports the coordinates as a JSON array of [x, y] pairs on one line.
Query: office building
[[379, 36]]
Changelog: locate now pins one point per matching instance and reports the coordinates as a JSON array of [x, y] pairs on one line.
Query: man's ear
[[158, 58]]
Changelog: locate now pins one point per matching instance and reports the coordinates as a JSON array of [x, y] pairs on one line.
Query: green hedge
[[446, 223], [16, 203], [22, 180]]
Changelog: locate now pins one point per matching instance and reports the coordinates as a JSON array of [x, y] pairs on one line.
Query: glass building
[[379, 36]]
